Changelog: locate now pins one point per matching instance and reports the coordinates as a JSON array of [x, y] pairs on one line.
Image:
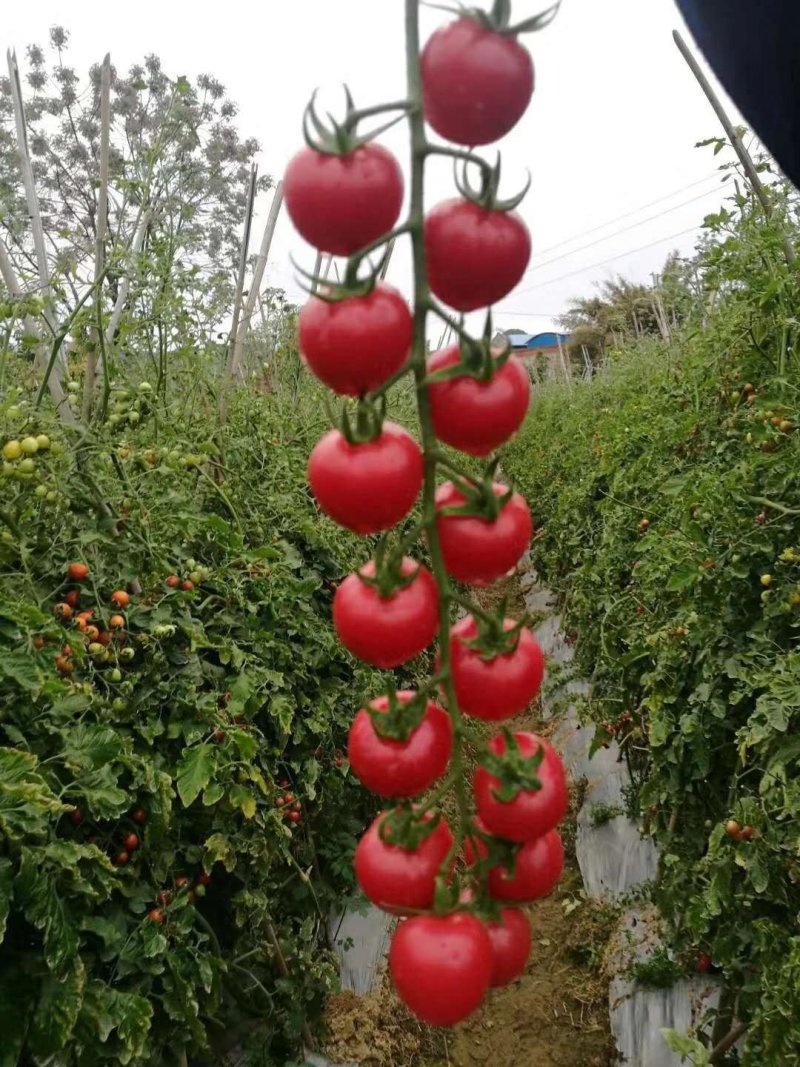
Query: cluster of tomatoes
[[457, 893], [97, 637]]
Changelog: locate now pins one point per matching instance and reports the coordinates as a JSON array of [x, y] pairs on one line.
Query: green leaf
[[213, 794], [242, 798], [219, 850], [21, 668], [60, 1001], [195, 771], [682, 578], [104, 799], [282, 709], [36, 894]]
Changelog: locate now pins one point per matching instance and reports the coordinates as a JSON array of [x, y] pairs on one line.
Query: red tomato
[[120, 598], [387, 632], [533, 811], [537, 871], [477, 551], [703, 964], [497, 688], [475, 256], [441, 966], [476, 416], [367, 487], [400, 768], [476, 83], [131, 842], [139, 816], [155, 915], [354, 345], [341, 203], [511, 945], [71, 598], [173, 581], [398, 879], [78, 571]]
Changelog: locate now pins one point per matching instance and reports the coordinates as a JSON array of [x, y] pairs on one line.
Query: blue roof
[[536, 340]]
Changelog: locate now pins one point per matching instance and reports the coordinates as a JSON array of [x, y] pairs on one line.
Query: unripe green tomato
[[114, 420], [14, 412], [95, 648], [72, 387], [192, 564], [43, 441], [27, 466], [12, 450], [29, 445], [133, 417], [56, 448], [115, 675], [118, 704], [127, 653], [196, 577], [41, 490], [8, 469], [7, 536], [52, 497], [145, 387]]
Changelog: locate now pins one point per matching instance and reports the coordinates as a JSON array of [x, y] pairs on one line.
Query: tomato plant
[[360, 338]]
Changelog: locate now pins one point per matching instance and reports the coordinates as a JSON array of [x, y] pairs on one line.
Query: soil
[[555, 1015]]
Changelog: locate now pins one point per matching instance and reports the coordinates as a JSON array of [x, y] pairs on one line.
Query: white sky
[[611, 128]]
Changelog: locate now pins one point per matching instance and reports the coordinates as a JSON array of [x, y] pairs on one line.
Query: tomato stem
[[420, 150]]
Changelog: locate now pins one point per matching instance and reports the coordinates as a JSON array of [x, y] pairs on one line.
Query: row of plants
[[668, 505], [177, 816]]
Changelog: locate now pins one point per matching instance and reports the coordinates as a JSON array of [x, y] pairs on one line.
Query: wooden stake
[[101, 228], [258, 278], [237, 300], [125, 284], [744, 156]]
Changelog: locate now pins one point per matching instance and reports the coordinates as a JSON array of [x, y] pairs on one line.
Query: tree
[[178, 179]]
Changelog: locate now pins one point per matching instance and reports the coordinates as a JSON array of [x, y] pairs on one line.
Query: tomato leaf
[[57, 1010], [195, 771]]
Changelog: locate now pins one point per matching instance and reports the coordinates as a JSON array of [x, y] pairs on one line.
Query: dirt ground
[[555, 1015]]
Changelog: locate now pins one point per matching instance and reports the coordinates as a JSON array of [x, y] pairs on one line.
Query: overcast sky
[[610, 132]]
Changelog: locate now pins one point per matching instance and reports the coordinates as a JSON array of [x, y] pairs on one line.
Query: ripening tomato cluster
[[458, 893]]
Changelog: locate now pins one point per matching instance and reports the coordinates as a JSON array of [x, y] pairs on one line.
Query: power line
[[627, 214], [617, 233], [602, 263]]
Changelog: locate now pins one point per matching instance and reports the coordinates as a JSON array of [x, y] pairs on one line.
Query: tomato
[[121, 859], [294, 816], [78, 571], [340, 203], [173, 581], [441, 966], [475, 550], [496, 688], [511, 945], [120, 598], [703, 963], [203, 879], [76, 816], [732, 829], [181, 882], [71, 598], [533, 812], [538, 868], [139, 816], [747, 833], [63, 610], [91, 632], [398, 879], [63, 666], [38, 642], [475, 256], [187, 585], [155, 915], [476, 416], [164, 897], [356, 344], [116, 622], [476, 83], [367, 487], [131, 842], [400, 768], [387, 631]]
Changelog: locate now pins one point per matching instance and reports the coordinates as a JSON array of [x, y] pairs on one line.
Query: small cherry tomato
[[532, 812], [476, 550], [496, 688], [398, 879], [78, 571], [120, 598]]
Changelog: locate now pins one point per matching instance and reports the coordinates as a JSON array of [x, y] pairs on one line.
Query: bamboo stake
[[26, 168], [258, 278], [730, 132], [237, 302], [125, 284], [101, 227], [565, 369], [389, 250]]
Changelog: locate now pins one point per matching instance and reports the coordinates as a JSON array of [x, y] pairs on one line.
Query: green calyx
[[341, 138], [365, 423], [493, 638], [401, 718], [514, 771], [388, 578], [479, 358], [487, 194], [498, 20], [404, 827], [480, 499]]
